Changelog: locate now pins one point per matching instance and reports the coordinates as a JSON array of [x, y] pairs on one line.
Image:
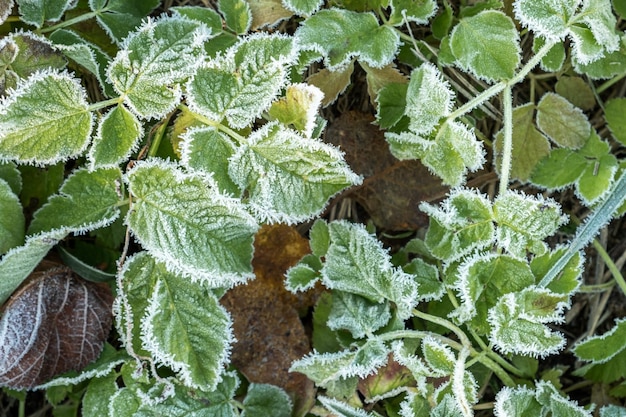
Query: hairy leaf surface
[[12, 220], [116, 138]]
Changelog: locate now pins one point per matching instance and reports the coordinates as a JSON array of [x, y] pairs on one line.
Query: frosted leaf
[[86, 54], [19, 262], [612, 411], [357, 314], [600, 349], [183, 221], [341, 409], [288, 178], [438, 357], [323, 368], [119, 17], [555, 404], [585, 48], [548, 18], [462, 224], [12, 220], [208, 150], [116, 138], [525, 221], [86, 201], [428, 99], [266, 400], [237, 15], [341, 35], [54, 324], [568, 280], [12, 176], [184, 327], [357, 263], [487, 45], [242, 84], [303, 7], [154, 61], [518, 322], [46, 120], [404, 354], [516, 402], [599, 18], [563, 123], [298, 108], [304, 275], [403, 11], [483, 280], [5, 10], [36, 13]]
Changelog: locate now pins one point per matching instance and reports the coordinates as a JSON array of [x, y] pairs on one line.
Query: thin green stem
[[610, 83], [478, 100], [617, 275], [507, 148], [596, 288], [230, 132], [159, 133], [70, 22], [445, 323], [105, 103]]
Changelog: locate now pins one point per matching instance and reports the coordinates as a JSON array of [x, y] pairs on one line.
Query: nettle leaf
[[563, 123], [357, 263], [266, 400], [487, 45], [547, 18], [46, 120], [289, 178], [54, 324], [438, 356], [428, 99], [154, 61], [461, 225], [483, 280], [37, 12], [518, 322], [569, 278], [552, 400], [600, 349], [323, 368], [529, 145], [208, 150], [210, 17], [120, 17], [303, 7], [357, 314], [237, 15], [403, 11], [86, 54], [427, 278], [12, 220], [298, 108], [183, 326], [614, 111], [341, 409], [116, 138], [19, 262], [183, 221], [301, 277], [516, 402], [86, 201], [525, 221], [341, 35], [243, 82]]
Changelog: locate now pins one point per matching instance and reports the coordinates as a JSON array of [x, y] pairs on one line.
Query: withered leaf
[[53, 324], [392, 189]]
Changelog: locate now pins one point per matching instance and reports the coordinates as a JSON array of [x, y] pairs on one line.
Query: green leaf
[[319, 238], [303, 7], [483, 280], [428, 99], [119, 17], [547, 18], [86, 201], [288, 178], [517, 402], [563, 123], [19, 262], [356, 314], [461, 225], [598, 16], [608, 66], [438, 356], [12, 220], [324, 368], [116, 138], [487, 45], [154, 61], [208, 150], [518, 322], [301, 277], [390, 104], [85, 54], [556, 404], [266, 400], [525, 221], [202, 14], [341, 35], [529, 145], [554, 59], [12, 176], [569, 278], [601, 349], [237, 15], [577, 91], [341, 409], [242, 83], [614, 111], [357, 263], [404, 11], [298, 108], [429, 287], [99, 392], [37, 12], [46, 120], [183, 221], [562, 167]]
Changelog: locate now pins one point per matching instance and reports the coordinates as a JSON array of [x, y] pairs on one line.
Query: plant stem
[[158, 133], [106, 103], [507, 147], [444, 323], [617, 275], [70, 22]]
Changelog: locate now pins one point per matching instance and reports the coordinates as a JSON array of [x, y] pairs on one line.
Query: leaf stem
[[106, 103], [70, 22], [598, 219], [507, 148], [219, 126], [617, 275]]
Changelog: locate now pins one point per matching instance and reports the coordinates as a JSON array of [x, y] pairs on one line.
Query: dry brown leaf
[[55, 323], [392, 189], [269, 333], [377, 78], [267, 12], [332, 83]]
